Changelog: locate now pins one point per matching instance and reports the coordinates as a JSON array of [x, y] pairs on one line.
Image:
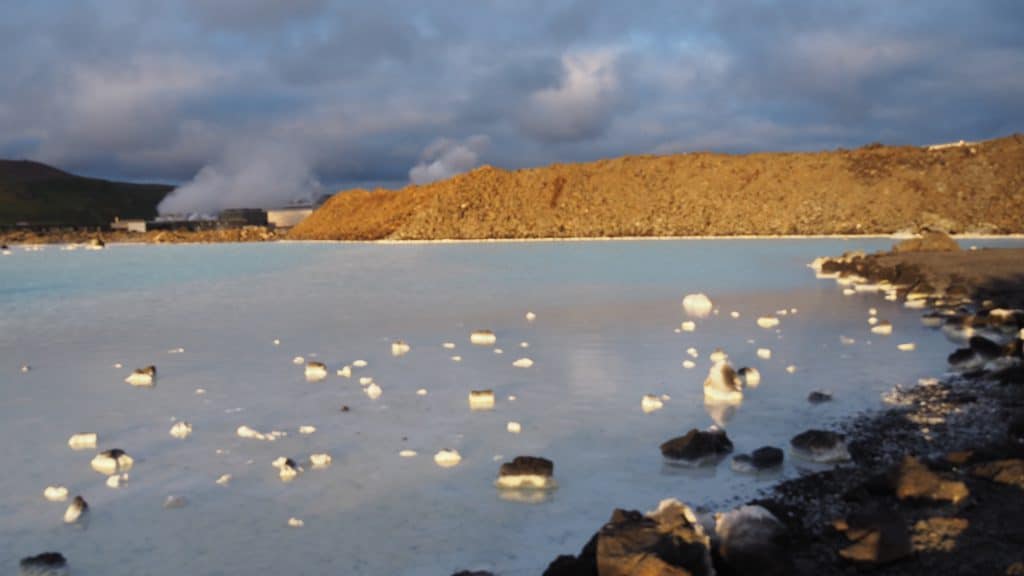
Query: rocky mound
[[875, 189]]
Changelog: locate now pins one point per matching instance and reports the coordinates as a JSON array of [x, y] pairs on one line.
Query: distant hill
[[973, 187], [45, 196]]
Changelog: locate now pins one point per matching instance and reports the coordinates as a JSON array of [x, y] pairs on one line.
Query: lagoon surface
[[605, 335]]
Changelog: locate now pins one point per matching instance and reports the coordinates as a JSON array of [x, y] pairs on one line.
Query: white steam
[[445, 158], [250, 175]]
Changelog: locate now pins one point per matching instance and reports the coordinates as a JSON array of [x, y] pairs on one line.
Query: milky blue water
[[605, 335]]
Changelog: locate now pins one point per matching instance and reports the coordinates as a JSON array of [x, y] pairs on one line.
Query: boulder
[[1003, 471], [820, 446], [928, 242], [698, 447], [750, 540], [878, 537], [819, 396], [764, 458], [45, 564], [527, 472], [912, 480], [666, 542]]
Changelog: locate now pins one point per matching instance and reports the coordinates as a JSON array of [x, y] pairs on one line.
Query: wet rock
[[668, 541], [912, 480], [142, 376], [820, 446], [764, 458], [750, 540], [473, 573], [77, 511], [819, 396], [45, 564], [937, 534], [698, 447], [527, 472], [878, 537], [1016, 429], [928, 242], [1003, 471], [111, 462]]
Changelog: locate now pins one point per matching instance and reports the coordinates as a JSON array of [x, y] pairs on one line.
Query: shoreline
[[935, 484]]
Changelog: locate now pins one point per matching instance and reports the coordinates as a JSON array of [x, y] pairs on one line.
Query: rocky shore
[[85, 236], [935, 484]]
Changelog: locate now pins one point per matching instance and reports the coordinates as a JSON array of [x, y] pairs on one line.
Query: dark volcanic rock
[[878, 537], [928, 242], [45, 564], [532, 465], [764, 458], [820, 446], [751, 540], [985, 348], [698, 446], [817, 397], [912, 480], [668, 542]]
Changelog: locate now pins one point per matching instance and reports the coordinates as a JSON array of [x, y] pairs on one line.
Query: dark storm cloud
[[368, 91]]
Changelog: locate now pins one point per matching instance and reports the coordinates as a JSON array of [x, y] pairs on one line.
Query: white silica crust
[[483, 338], [447, 458], [697, 305], [55, 493], [181, 430], [527, 481], [650, 403], [85, 441], [105, 463]]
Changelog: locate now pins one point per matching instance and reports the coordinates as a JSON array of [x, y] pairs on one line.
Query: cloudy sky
[[226, 94]]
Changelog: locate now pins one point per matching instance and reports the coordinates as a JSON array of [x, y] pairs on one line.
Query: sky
[[252, 102]]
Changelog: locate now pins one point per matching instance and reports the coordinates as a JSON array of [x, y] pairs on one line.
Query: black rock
[[1016, 428], [473, 573], [817, 397], [985, 348], [45, 564], [528, 465], [666, 542], [820, 446], [767, 457], [960, 357], [698, 446], [583, 565]]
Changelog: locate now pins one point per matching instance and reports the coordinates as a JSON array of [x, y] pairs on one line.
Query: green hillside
[[42, 195]]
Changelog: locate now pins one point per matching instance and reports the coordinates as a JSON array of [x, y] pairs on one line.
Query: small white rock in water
[[692, 352], [400, 348], [526, 472], [883, 328], [523, 363], [345, 372], [360, 364], [767, 322], [448, 345], [321, 460], [511, 397], [116, 480], [85, 441], [421, 392], [722, 384], [287, 469], [298, 360], [373, 391], [718, 355], [530, 316], [499, 351], [200, 391], [846, 340], [483, 338], [688, 326], [481, 400], [734, 314], [689, 364], [873, 311], [55, 493], [142, 376], [224, 479], [764, 353], [456, 358], [25, 368], [906, 347], [872, 320], [524, 344], [915, 304], [181, 430], [176, 351], [315, 371], [791, 368], [447, 458], [514, 427], [307, 430], [244, 431], [650, 403], [118, 365], [277, 341], [76, 511], [407, 453], [749, 377], [112, 462], [295, 522], [173, 502], [849, 291], [365, 380], [697, 305]]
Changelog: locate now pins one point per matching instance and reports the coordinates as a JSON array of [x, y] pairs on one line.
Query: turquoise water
[[604, 336]]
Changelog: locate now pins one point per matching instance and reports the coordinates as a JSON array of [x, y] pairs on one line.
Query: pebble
[[448, 345], [55, 493], [307, 429], [295, 522], [181, 430], [447, 458], [373, 391], [82, 441], [530, 316], [360, 364], [767, 322], [345, 372], [407, 453], [907, 347], [321, 460], [523, 363], [791, 368], [688, 326], [514, 427], [421, 392], [764, 353], [650, 403], [689, 364], [298, 360]]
